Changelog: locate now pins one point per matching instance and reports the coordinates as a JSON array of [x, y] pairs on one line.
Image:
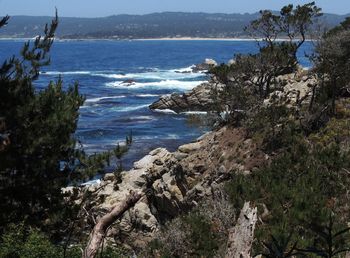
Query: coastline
[[151, 39]]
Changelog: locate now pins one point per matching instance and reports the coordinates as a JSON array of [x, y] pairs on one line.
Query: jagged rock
[[205, 66], [174, 182], [198, 99], [190, 147], [297, 89], [109, 177], [222, 169], [180, 156]]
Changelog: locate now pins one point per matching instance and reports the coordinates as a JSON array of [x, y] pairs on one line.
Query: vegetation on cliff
[[297, 149], [302, 193], [39, 154]]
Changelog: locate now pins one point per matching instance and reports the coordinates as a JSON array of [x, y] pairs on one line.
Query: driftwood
[[241, 236], [98, 233]]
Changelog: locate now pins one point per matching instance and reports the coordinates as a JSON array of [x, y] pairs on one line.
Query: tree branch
[[100, 229]]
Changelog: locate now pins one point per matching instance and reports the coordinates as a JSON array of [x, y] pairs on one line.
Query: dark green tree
[[255, 74], [37, 128], [332, 63]]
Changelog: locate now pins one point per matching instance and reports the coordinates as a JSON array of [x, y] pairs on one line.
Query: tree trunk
[[241, 236], [100, 229]]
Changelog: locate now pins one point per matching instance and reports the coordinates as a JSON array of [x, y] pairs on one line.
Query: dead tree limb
[[241, 236], [100, 229]]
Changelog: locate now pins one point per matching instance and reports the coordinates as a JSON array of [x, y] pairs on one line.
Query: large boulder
[[198, 99], [297, 89]]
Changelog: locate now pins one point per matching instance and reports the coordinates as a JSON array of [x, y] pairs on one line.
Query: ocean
[[112, 109]]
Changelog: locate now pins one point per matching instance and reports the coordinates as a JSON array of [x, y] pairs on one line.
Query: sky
[[101, 8]]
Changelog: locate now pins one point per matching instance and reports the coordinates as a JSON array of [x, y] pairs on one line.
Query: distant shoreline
[[195, 39], [152, 39], [139, 39]]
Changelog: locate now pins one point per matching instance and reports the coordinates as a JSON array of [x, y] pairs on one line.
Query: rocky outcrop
[[205, 66], [174, 182], [198, 99], [297, 89]]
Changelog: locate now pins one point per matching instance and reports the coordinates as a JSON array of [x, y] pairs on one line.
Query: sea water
[[112, 108]]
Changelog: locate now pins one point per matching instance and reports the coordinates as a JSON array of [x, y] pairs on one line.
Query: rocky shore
[[198, 99], [177, 181], [297, 88]]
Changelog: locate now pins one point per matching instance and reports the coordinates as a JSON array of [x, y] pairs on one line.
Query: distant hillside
[[167, 24]]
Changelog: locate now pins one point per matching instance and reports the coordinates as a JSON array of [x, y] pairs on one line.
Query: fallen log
[[241, 236], [98, 233]]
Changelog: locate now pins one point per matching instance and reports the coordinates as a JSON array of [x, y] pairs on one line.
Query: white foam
[[172, 136], [94, 100], [195, 113], [92, 182], [149, 118], [166, 111], [155, 74], [129, 108], [147, 95], [152, 74], [165, 84], [188, 69], [111, 76]]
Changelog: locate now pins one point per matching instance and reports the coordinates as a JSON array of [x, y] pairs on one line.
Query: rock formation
[[174, 182], [297, 88], [205, 66], [198, 99]]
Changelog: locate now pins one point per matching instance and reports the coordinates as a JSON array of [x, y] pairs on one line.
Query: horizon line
[[129, 14]]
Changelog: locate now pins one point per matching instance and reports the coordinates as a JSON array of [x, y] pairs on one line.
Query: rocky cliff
[[174, 182], [297, 88]]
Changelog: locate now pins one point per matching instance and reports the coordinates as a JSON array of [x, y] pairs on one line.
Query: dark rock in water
[[183, 72], [205, 66], [129, 82], [198, 99]]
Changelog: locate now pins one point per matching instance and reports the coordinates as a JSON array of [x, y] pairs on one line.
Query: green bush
[[23, 243], [298, 189], [190, 235]]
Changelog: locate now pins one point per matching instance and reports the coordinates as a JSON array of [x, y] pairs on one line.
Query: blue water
[[112, 109]]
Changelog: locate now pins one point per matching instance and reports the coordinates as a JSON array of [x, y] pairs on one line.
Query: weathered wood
[[241, 236], [98, 233]]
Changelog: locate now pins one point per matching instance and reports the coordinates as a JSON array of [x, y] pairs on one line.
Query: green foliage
[[291, 22], [332, 65], [191, 235], [272, 126], [39, 154], [280, 248], [329, 241], [298, 188], [252, 78], [22, 243], [39, 125], [202, 238]]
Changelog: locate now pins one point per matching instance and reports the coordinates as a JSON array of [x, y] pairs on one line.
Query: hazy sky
[[98, 8]]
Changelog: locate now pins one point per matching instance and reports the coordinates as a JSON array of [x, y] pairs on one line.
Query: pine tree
[[37, 130]]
